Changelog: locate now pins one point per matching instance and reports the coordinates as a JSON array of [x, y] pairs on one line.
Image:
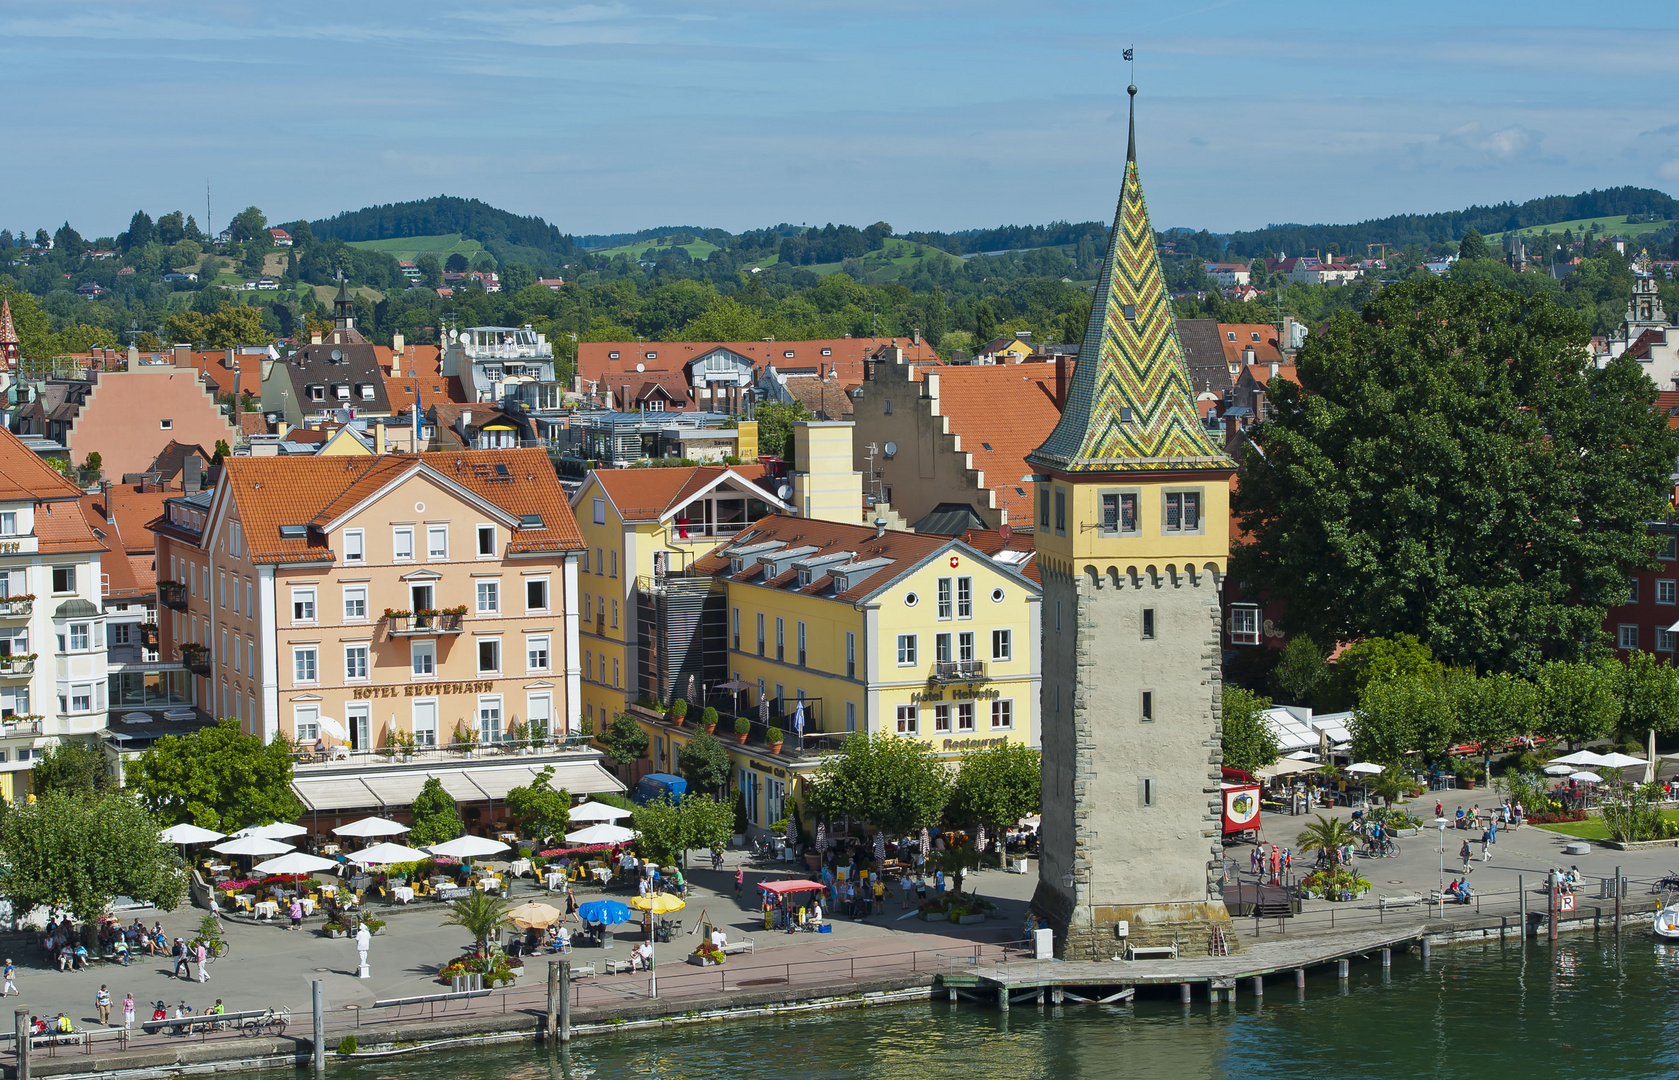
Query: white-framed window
[[907, 722], [539, 714], [119, 633], [1632, 590], [489, 656], [612, 563], [964, 598], [355, 546], [801, 629], [965, 716], [536, 594], [1147, 710], [422, 658], [1002, 715], [79, 637], [64, 579], [236, 596], [780, 638], [1002, 645], [437, 542], [850, 716], [615, 682], [305, 723], [489, 597], [1626, 636], [489, 719], [221, 587], [614, 613], [941, 719], [1665, 590], [249, 608], [355, 603], [1182, 512], [734, 628], [941, 648], [906, 650], [1119, 513], [850, 655], [486, 541], [236, 651], [589, 665], [599, 511], [424, 721], [1244, 625], [402, 544], [1664, 640], [946, 605], [304, 663], [8, 522], [588, 607], [355, 662], [222, 652], [760, 633], [303, 604], [1670, 548], [965, 647], [536, 653]]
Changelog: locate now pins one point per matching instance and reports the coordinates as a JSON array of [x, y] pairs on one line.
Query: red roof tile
[[1000, 436], [23, 475]]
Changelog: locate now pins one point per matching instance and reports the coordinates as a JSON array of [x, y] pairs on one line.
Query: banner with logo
[[1241, 807]]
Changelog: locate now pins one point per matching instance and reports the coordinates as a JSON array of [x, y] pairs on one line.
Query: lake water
[[1584, 1008]]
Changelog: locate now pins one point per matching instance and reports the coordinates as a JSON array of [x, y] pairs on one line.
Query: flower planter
[[335, 933], [741, 738], [380, 932], [711, 729], [970, 920], [678, 720], [934, 916], [775, 748], [737, 839]]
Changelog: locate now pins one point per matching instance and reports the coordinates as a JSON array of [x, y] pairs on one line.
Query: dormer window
[[1231, 334], [612, 356], [804, 576], [827, 352], [1255, 336], [736, 565], [652, 356], [788, 355], [341, 392], [316, 393], [366, 391]]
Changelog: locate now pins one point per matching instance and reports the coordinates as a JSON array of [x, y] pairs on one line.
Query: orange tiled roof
[[845, 355], [1667, 402], [23, 475], [63, 526], [271, 492], [646, 494], [423, 360], [1001, 413], [431, 388]]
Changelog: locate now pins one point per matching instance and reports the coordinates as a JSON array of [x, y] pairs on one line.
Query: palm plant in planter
[[708, 719], [479, 914], [743, 727]]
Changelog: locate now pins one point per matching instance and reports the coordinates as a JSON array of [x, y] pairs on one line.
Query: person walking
[[128, 1010], [102, 1002], [1486, 845], [1467, 856], [903, 892], [183, 966], [202, 955], [11, 986], [740, 880], [296, 913]]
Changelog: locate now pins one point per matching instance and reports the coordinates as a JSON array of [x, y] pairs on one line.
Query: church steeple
[[1130, 405], [8, 336]]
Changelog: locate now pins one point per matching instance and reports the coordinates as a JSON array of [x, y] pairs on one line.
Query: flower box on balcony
[[17, 607]]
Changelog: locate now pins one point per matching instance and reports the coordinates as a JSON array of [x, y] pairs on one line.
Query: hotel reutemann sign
[[436, 689]]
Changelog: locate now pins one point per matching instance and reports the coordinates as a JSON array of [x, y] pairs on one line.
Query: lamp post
[[1440, 884]]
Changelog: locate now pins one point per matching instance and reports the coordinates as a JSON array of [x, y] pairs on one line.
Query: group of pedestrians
[[1270, 861]]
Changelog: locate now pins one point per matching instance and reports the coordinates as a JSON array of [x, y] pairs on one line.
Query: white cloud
[[1506, 142]]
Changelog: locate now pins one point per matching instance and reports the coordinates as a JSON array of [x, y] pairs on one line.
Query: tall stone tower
[[1132, 541]]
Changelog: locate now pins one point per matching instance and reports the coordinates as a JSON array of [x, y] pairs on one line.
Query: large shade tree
[[218, 777], [1452, 464], [82, 849], [895, 783]]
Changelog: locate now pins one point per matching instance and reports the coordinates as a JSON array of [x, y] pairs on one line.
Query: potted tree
[[678, 711], [774, 737], [743, 727], [708, 720]]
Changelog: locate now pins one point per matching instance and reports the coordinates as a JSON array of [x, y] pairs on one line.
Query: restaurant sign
[[422, 690]]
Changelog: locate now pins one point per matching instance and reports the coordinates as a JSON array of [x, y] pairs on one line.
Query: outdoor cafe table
[[519, 867], [489, 884], [602, 874], [267, 909], [402, 894], [553, 879]]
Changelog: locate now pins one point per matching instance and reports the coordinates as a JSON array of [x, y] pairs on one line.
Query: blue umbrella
[[799, 718], [606, 912]]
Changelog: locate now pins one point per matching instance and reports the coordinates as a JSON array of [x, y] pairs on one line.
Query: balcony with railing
[[958, 671], [17, 607], [20, 724], [424, 623], [17, 667], [196, 659], [172, 595]]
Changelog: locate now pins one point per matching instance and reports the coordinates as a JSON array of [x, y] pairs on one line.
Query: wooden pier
[[1104, 981]]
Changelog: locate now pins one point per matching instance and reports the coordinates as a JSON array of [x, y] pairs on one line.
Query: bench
[[201, 1022], [1385, 902], [579, 971], [1151, 952], [733, 947]]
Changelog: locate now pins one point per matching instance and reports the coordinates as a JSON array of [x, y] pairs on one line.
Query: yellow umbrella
[[658, 903], [533, 914]]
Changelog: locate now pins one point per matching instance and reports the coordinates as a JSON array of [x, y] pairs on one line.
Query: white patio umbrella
[[1651, 768], [1586, 776], [594, 811], [1579, 757], [468, 847], [601, 834], [1617, 760], [331, 728], [188, 833], [1364, 767], [274, 830], [252, 845], [371, 826], [386, 854], [295, 862], [1558, 770]]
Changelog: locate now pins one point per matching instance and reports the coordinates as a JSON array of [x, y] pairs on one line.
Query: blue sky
[[608, 116]]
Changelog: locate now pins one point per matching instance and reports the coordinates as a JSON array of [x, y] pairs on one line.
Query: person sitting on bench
[[642, 958]]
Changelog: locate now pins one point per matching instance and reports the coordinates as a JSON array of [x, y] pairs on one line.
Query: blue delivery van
[[650, 787]]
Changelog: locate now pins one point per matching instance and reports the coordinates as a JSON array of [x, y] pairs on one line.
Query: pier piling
[[1258, 986], [1003, 998], [1300, 978], [1183, 993], [1426, 947], [21, 1020], [1343, 969], [317, 1010], [1387, 958]]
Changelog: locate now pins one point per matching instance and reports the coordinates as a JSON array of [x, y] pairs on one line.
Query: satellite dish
[[641, 367], [454, 335], [891, 449], [784, 492], [337, 355]]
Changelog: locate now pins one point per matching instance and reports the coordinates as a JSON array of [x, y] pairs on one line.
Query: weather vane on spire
[[1131, 58]]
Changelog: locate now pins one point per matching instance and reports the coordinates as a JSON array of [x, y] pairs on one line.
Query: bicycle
[[214, 948], [1670, 883], [271, 1022]]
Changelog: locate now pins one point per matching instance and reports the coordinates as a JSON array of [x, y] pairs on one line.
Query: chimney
[[1274, 368], [315, 338], [915, 336], [879, 528], [1258, 406], [398, 343], [1063, 374], [624, 398], [379, 438], [183, 355], [191, 467], [280, 429], [1231, 428]]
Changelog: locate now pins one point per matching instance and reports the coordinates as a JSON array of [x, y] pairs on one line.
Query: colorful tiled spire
[[8, 335], [1130, 405]]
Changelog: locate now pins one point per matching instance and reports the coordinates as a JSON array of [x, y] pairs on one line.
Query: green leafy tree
[[479, 914], [996, 785], [705, 764], [456, 263], [73, 767], [538, 808], [1248, 741], [1578, 702], [1473, 246], [430, 268], [1649, 693], [1372, 659], [82, 849], [1491, 709], [1300, 671], [775, 426], [624, 739], [36, 340], [435, 817], [897, 784], [218, 777], [1452, 465], [666, 829], [249, 224], [1401, 714]]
